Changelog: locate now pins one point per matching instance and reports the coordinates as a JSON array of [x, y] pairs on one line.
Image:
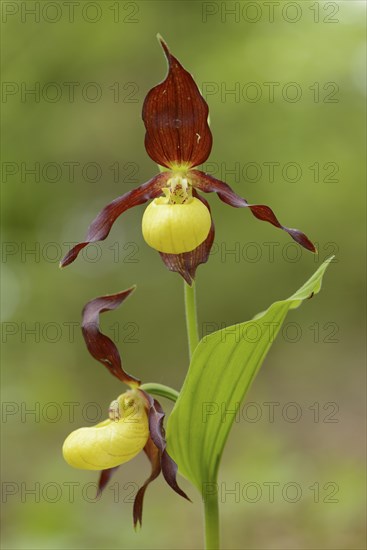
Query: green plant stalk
[[161, 390], [211, 508], [191, 317]]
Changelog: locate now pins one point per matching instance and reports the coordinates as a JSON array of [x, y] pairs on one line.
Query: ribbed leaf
[[222, 369]]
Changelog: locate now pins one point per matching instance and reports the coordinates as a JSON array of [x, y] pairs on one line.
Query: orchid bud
[[113, 441], [178, 222]]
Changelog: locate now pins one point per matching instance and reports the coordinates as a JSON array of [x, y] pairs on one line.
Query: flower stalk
[[211, 510], [191, 317], [211, 507], [161, 390]]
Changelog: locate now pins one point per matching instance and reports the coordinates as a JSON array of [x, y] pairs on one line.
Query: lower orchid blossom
[[178, 222], [135, 420], [115, 440]]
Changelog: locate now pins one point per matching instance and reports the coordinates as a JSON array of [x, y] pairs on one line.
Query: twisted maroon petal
[[176, 119], [208, 184], [154, 457], [101, 226], [186, 263], [157, 433], [98, 344]]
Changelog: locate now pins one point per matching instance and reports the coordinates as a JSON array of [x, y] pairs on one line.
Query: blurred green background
[[106, 54]]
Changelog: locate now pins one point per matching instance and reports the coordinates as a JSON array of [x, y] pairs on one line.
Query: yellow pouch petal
[[111, 442], [176, 228]]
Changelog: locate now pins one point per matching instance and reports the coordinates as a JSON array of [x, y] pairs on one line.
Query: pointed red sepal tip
[[209, 184], [176, 119], [99, 345], [164, 45]]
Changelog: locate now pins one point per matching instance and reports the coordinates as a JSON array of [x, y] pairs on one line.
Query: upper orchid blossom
[[178, 222], [135, 420]]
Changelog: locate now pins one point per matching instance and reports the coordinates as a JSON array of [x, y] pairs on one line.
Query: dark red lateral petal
[[102, 224], [186, 263], [104, 478], [98, 344], [175, 115], [157, 433], [208, 184], [154, 456], [169, 470]]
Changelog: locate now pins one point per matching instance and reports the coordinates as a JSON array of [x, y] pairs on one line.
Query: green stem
[[191, 317], [212, 521], [161, 390], [211, 500]]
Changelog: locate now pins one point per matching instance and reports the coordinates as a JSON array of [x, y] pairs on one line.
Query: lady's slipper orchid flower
[[178, 222], [135, 420], [115, 440]]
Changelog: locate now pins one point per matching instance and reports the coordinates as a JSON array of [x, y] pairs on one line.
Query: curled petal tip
[[72, 254], [301, 239], [130, 290]]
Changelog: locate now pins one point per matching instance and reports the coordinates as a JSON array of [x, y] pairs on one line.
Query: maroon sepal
[[101, 226], [104, 478], [186, 263], [98, 344], [175, 115], [154, 457], [208, 184]]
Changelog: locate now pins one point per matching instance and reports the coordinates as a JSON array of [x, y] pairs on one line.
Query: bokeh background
[[91, 66]]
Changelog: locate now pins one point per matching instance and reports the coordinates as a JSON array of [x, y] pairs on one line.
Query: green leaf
[[222, 369]]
